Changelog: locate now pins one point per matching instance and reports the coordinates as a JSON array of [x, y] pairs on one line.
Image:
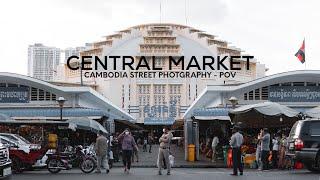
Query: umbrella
[[314, 112], [85, 123], [266, 114]]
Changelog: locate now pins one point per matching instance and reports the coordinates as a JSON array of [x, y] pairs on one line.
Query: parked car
[[304, 143], [20, 140], [5, 162], [23, 156]]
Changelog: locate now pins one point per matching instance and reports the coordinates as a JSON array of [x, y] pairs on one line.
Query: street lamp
[[234, 101], [61, 101]]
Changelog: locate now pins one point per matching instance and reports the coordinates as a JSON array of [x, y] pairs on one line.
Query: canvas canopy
[[266, 114], [314, 112]]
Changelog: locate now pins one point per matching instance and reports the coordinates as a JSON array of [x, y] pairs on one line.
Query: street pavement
[[177, 174], [147, 159]]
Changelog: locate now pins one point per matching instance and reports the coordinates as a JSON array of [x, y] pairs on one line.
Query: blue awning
[[158, 121], [51, 112], [216, 111]]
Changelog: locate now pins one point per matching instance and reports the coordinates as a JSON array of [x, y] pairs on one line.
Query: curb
[[177, 166]]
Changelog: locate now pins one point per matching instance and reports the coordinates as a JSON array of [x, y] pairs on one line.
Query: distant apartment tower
[[43, 61], [72, 52]]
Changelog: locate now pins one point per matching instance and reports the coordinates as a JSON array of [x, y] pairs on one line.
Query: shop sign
[[294, 93], [14, 94], [160, 114]]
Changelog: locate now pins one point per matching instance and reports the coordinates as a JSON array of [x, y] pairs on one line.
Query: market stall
[[251, 118]]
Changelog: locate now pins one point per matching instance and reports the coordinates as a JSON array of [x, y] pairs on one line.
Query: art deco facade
[[162, 100]]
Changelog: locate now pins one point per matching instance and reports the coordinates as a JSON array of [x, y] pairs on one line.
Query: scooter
[[66, 160]]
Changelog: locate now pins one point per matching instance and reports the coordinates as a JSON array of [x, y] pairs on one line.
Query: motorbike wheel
[[87, 165], [54, 166]]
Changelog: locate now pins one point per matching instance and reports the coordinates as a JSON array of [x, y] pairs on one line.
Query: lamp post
[[61, 101]]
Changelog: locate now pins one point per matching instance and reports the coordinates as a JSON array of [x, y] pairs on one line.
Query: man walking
[[164, 150], [265, 147], [235, 143], [101, 148]]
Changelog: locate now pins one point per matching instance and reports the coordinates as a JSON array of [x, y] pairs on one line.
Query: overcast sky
[[271, 30]]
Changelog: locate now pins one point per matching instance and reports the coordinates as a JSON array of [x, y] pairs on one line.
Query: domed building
[[159, 101]]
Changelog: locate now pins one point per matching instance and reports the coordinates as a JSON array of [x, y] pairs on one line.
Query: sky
[[271, 30]]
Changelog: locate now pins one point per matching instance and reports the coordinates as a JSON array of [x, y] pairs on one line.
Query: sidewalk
[[147, 159]]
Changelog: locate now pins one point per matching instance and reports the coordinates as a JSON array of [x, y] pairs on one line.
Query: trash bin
[[191, 152]]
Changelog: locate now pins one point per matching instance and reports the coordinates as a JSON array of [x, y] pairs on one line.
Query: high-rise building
[[160, 100], [43, 61], [72, 52]]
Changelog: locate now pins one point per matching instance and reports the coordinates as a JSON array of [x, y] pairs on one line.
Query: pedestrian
[[258, 150], [214, 144], [127, 145], [236, 142], [145, 143], [282, 154], [275, 150], [150, 142], [135, 153], [115, 148], [164, 150], [101, 149], [265, 149]]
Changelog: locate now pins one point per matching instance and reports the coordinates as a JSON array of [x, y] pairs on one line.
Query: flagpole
[[305, 62]]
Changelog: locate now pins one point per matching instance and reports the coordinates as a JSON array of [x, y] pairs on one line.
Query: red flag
[[301, 53]]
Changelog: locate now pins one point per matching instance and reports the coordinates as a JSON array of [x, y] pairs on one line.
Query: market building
[[299, 90], [24, 98], [159, 101]]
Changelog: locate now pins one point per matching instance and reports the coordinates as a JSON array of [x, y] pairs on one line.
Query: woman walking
[[127, 144]]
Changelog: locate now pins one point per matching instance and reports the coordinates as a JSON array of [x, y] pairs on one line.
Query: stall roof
[[212, 94], [51, 112], [84, 92], [12, 121]]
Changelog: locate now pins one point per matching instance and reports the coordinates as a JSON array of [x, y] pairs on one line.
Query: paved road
[[177, 174]]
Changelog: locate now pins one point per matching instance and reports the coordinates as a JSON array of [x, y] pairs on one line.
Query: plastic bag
[[171, 160]]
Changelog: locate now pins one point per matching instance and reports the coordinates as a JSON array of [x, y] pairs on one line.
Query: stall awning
[[129, 124], [220, 118], [32, 122], [52, 112], [215, 113]]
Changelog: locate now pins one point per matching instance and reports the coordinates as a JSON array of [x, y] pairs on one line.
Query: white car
[[20, 140], [5, 162]]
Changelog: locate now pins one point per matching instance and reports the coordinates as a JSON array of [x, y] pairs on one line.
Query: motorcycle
[[89, 151], [66, 160]]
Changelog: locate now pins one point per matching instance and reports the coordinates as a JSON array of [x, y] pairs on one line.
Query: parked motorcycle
[[66, 160]]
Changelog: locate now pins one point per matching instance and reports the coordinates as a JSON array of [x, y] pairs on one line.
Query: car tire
[[17, 166], [311, 167]]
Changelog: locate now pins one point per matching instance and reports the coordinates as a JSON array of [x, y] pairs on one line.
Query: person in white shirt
[[236, 142], [275, 150], [214, 144]]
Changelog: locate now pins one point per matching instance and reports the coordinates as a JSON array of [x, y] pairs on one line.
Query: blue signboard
[[160, 114], [294, 93], [14, 94]]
